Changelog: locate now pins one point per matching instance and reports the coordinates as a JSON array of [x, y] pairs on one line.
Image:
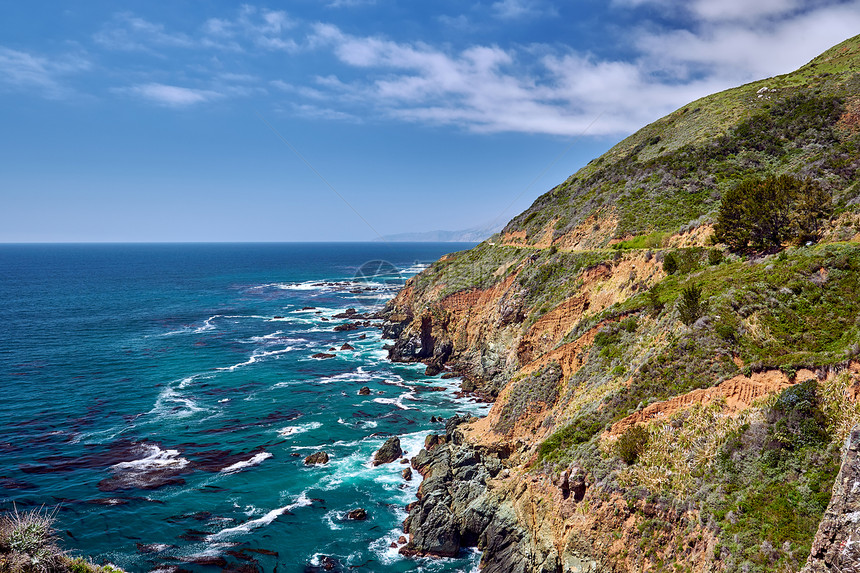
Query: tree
[[762, 214], [691, 307]]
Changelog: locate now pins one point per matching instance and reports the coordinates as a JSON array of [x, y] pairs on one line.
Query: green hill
[[674, 171]]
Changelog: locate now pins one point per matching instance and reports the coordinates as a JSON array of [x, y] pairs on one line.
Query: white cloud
[[132, 33], [251, 27], [487, 88], [24, 71], [547, 89], [738, 51], [511, 9], [171, 96]]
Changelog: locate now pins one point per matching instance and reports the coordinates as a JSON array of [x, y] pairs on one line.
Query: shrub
[[691, 307], [580, 431], [796, 417], [670, 264], [715, 257], [631, 444]]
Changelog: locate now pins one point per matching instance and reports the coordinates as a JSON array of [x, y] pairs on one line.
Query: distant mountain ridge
[[473, 235]]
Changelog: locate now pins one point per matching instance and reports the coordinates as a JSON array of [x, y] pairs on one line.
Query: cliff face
[[622, 437], [837, 544]]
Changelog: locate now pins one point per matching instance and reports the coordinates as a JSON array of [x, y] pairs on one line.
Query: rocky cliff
[[661, 403]]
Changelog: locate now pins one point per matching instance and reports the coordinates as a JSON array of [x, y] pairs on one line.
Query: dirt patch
[[698, 237], [850, 120], [515, 238], [593, 233], [739, 394]]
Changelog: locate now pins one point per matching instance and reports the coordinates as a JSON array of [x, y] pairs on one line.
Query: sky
[[344, 120]]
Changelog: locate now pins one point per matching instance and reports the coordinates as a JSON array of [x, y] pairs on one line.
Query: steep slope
[[623, 436]]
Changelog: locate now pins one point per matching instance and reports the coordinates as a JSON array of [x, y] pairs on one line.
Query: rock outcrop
[[461, 504], [389, 452], [836, 547], [317, 458]]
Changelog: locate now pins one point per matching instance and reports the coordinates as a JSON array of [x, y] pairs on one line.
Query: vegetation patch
[[529, 395], [30, 544]]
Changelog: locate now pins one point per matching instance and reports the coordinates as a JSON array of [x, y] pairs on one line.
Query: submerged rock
[[364, 391], [389, 452], [323, 355]]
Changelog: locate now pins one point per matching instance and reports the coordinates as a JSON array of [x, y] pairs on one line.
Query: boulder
[[347, 346], [407, 473], [357, 514], [364, 391], [389, 452], [318, 458], [323, 355]]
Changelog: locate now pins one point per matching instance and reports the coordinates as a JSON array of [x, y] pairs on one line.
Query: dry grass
[[843, 413], [683, 447]]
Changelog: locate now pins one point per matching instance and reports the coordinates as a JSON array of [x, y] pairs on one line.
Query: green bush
[[691, 307], [631, 444], [715, 257], [580, 431], [670, 264]]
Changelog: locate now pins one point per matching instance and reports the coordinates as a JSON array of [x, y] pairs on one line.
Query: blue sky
[[143, 121]]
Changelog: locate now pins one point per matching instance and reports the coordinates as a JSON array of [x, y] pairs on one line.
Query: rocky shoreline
[[466, 501]]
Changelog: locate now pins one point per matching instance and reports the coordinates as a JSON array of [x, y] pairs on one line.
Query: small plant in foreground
[[29, 541]]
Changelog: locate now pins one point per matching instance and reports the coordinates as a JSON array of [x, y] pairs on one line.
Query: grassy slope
[[674, 171]]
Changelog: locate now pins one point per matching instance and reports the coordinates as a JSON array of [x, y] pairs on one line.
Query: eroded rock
[[389, 452]]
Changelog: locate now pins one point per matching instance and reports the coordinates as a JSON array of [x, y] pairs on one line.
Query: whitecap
[[293, 430], [301, 501], [171, 403], [256, 459], [359, 375], [256, 356], [154, 459], [398, 401]]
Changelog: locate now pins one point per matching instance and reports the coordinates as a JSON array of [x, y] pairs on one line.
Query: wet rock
[[362, 337], [389, 452], [357, 514], [318, 458], [347, 346], [322, 355], [406, 473], [323, 563], [347, 327], [364, 391]]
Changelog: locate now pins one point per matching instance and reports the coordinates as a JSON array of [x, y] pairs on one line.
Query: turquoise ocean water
[[163, 398]]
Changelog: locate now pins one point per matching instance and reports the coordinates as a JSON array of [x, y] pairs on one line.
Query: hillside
[[662, 402]]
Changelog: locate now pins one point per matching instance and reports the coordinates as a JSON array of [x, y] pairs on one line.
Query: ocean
[[161, 399]]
